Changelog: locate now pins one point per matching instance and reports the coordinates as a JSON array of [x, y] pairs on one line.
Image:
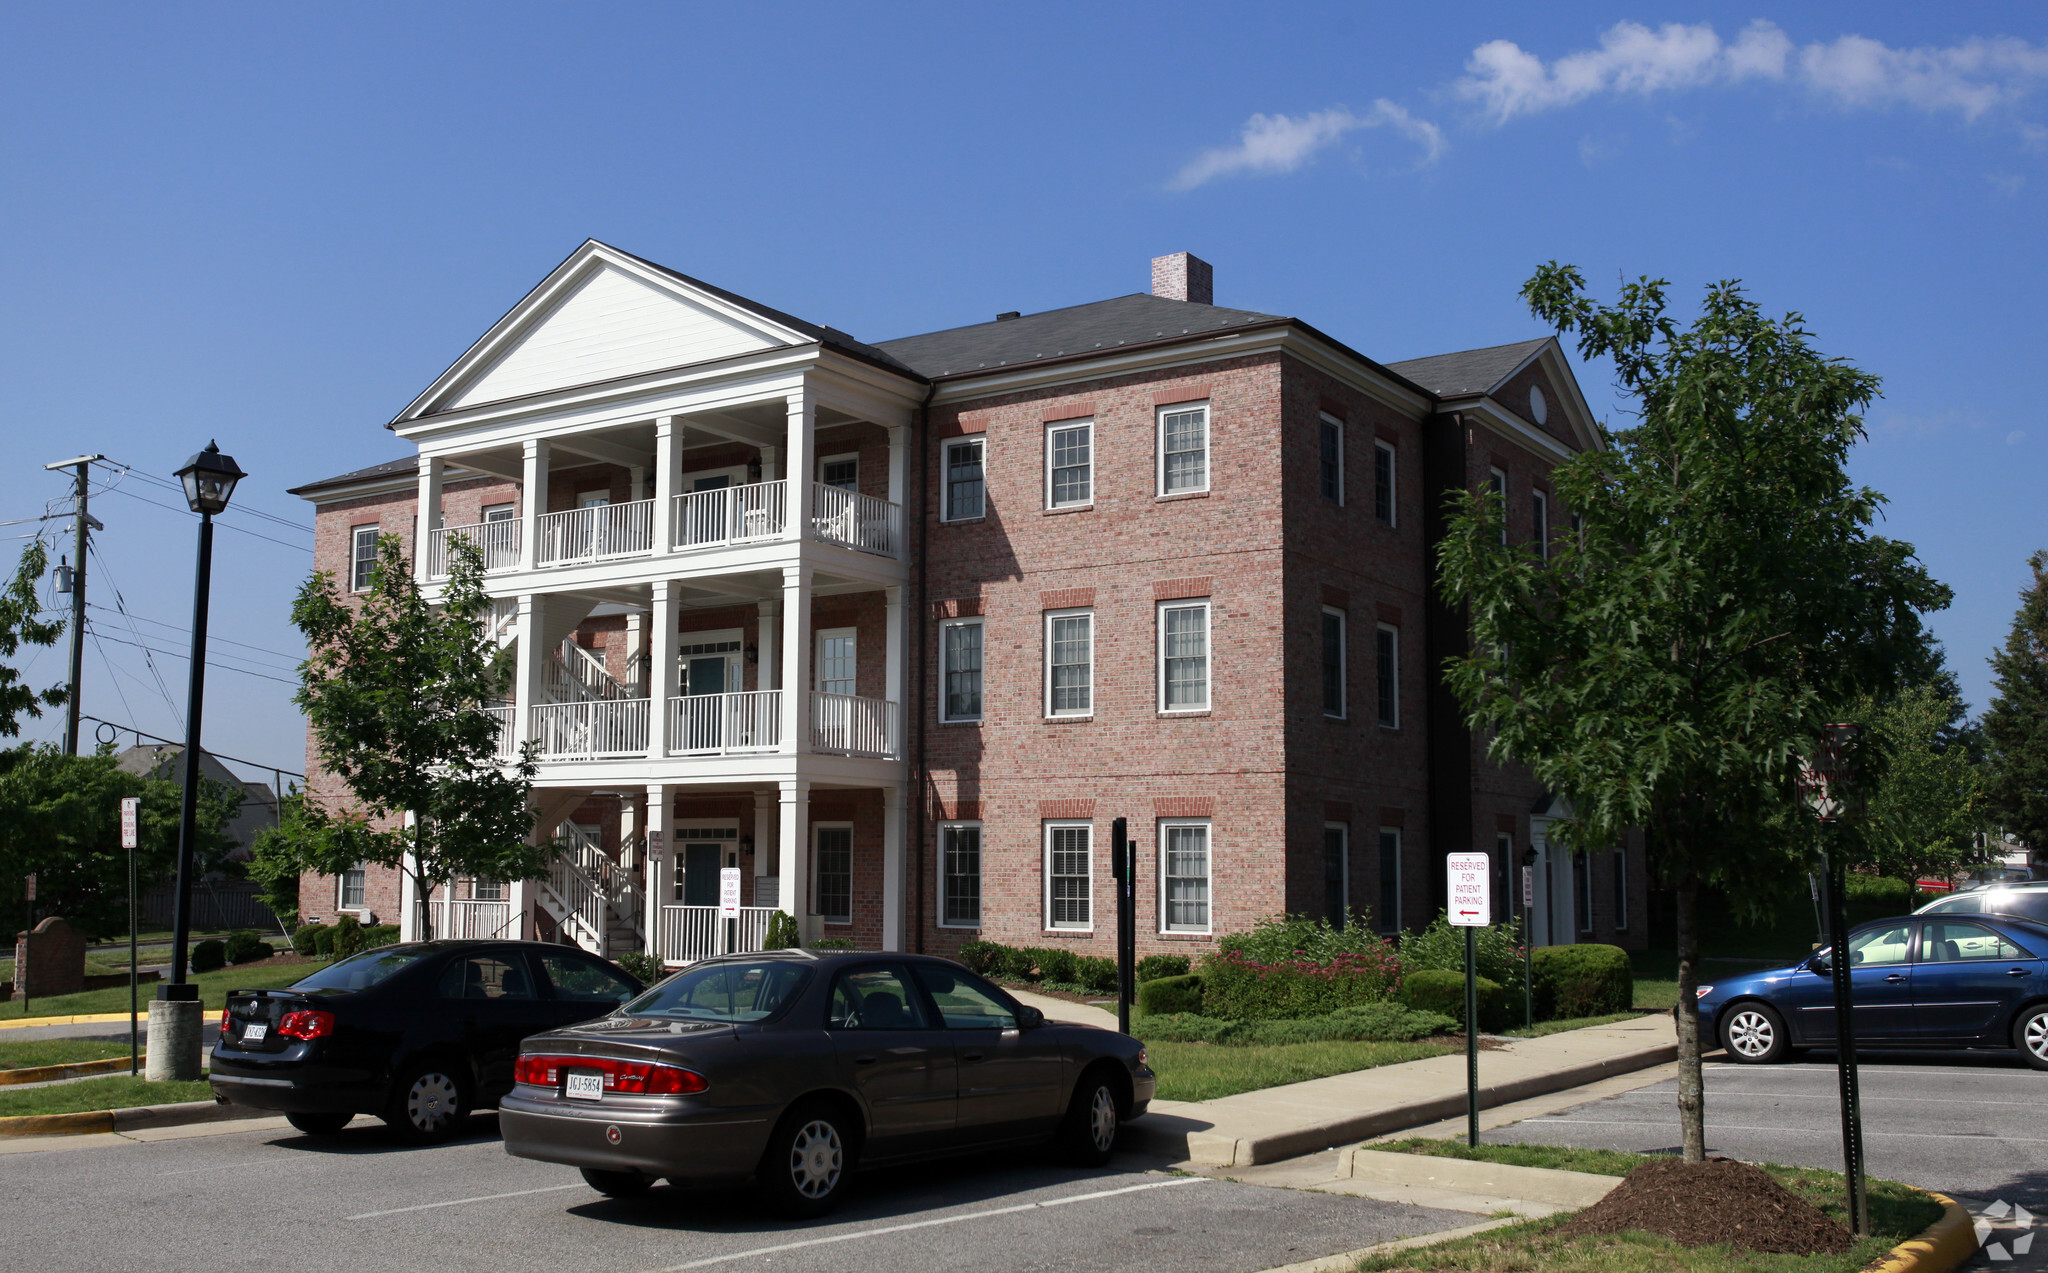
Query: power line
[[244, 530], [121, 604], [112, 677], [210, 639], [143, 733], [225, 667], [123, 471]]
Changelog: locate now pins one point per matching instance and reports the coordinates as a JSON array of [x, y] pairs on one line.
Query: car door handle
[[970, 1057], [2016, 972], [1897, 976], [864, 1060]]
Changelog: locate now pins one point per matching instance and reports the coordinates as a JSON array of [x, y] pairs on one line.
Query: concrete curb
[[1938, 1248], [1550, 1186], [135, 1118], [89, 1018], [68, 1070]]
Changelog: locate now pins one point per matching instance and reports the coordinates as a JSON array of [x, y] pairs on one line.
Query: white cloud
[[2016, 437], [2006, 183], [1971, 78], [1283, 143]]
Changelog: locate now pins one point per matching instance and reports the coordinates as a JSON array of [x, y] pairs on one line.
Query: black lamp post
[[209, 479]]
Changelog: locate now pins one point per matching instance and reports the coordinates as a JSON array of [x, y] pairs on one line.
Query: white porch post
[[432, 469], [893, 858], [899, 463], [668, 479], [803, 418], [796, 660], [892, 666], [770, 457], [533, 501], [521, 901], [531, 666], [661, 678], [660, 866], [637, 476], [794, 844], [765, 857], [765, 662], [408, 902]]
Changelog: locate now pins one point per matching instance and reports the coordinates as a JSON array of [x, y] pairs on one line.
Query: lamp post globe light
[[175, 1017]]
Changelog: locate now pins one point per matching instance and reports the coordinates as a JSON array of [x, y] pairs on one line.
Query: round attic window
[[1538, 407]]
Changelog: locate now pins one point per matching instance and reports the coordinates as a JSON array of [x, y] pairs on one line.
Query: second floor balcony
[[744, 723]]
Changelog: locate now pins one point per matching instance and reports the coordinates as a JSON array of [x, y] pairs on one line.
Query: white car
[[2027, 899]]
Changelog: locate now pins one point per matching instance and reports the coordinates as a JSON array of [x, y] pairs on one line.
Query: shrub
[[1015, 964], [1586, 980], [379, 935], [244, 946], [981, 956], [1096, 973], [1372, 1022], [1284, 937], [833, 943], [642, 967], [1497, 954], [1295, 967], [1163, 995], [1052, 962], [782, 932], [304, 939], [323, 941], [1153, 967], [1439, 991], [348, 936], [209, 955]]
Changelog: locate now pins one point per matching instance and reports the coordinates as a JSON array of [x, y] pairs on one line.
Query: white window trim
[[981, 622], [1497, 484], [1334, 422], [944, 827], [1159, 415], [1344, 865], [1045, 873], [1046, 638], [341, 905], [1208, 654], [1539, 510], [1343, 664], [1394, 632], [1209, 844], [841, 457], [511, 512], [1055, 426], [945, 488], [355, 537], [818, 658], [1395, 925], [1393, 481], [834, 920], [594, 498]]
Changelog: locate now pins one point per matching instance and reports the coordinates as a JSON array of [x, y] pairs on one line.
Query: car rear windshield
[[359, 972], [2027, 903], [723, 992]]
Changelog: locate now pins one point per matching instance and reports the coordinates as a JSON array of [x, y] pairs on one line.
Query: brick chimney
[[1184, 277]]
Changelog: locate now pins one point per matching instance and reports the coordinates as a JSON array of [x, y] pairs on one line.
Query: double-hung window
[[1330, 459], [1582, 890], [1184, 656], [1333, 662], [1387, 648], [1183, 449], [966, 490], [1389, 916], [842, 471], [362, 557], [1069, 875], [1069, 663], [1336, 873], [960, 875], [1503, 868], [1184, 877], [833, 856], [1497, 483], [1070, 464], [1620, 890], [1383, 483], [1539, 509], [837, 661], [352, 882], [960, 650]]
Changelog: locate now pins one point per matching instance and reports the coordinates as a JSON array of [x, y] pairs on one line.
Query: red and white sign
[[1471, 896], [1528, 887], [657, 845], [131, 822], [729, 892]]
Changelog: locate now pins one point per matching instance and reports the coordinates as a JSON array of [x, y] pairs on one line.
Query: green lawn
[[116, 1092], [213, 990], [1205, 1071], [1896, 1212], [20, 1055], [1542, 1028]]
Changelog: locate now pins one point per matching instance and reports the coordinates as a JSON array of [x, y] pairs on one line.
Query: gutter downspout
[[919, 779]]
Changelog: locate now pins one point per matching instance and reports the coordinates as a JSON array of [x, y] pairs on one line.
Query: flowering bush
[[1291, 966]]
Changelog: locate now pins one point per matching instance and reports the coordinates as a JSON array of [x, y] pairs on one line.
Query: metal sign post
[[1123, 863], [131, 837], [1471, 906], [1826, 782], [1528, 954]]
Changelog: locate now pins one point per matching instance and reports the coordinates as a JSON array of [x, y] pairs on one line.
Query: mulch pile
[[1719, 1200]]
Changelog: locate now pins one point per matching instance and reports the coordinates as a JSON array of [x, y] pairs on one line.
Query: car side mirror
[[1028, 1017]]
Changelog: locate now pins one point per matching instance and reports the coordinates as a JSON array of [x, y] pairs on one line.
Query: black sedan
[[418, 1034], [795, 1067]]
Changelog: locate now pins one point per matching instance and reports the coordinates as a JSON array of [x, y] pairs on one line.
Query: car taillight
[[226, 1017], [628, 1078], [306, 1024]]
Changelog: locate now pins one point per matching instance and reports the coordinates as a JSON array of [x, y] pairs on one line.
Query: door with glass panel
[[705, 719]]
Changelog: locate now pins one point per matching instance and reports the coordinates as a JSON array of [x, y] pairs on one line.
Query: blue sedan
[[1936, 981]]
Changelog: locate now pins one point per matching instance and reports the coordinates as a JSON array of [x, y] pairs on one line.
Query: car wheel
[[319, 1124], [1754, 1034], [1088, 1133], [2030, 1035], [617, 1184], [808, 1160], [427, 1103]]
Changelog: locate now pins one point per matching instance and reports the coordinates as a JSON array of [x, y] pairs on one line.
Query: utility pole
[[83, 464]]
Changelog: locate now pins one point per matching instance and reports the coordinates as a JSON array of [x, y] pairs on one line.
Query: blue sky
[[274, 225]]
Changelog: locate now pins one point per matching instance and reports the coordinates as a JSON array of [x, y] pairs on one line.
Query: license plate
[[583, 1086], [254, 1033]]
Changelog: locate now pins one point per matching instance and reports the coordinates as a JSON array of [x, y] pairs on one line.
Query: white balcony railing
[[602, 532], [604, 730], [689, 933], [856, 521], [474, 919], [722, 724], [729, 515], [847, 725], [508, 741], [498, 542]]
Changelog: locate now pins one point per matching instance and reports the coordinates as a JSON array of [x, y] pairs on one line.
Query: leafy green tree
[[393, 688], [1927, 803], [2016, 723], [22, 623], [1724, 598]]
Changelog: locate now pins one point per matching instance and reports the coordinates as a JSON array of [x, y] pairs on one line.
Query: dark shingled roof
[[1137, 319], [389, 468], [1469, 371]]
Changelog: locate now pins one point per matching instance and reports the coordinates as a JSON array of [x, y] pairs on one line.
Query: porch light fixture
[[209, 479], [753, 654]]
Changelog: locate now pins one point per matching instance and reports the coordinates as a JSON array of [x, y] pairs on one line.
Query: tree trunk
[[422, 912], [1692, 1102]]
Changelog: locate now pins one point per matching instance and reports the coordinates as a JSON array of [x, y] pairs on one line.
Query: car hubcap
[[2037, 1035], [1750, 1033], [1102, 1119], [431, 1102], [815, 1159]]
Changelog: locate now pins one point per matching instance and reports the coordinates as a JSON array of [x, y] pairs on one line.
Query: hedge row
[[344, 937], [1371, 1022], [1088, 973]]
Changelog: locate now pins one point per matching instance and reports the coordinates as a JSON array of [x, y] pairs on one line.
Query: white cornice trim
[[1489, 412]]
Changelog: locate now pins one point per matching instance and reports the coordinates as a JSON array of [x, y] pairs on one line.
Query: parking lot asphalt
[[259, 1198]]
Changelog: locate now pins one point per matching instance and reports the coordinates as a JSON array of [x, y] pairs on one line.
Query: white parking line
[[457, 1202], [926, 1224], [1783, 1131], [1868, 1098]]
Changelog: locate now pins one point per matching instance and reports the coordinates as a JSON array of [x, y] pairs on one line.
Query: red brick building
[[1149, 558]]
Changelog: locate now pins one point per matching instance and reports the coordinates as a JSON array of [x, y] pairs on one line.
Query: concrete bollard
[[175, 1029]]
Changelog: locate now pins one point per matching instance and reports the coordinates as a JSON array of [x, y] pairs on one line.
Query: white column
[[661, 867], [892, 661], [636, 475], [766, 666], [803, 418], [770, 458], [766, 858], [432, 469], [531, 666], [668, 479], [637, 623], [899, 460], [661, 671], [408, 899], [893, 858], [521, 902], [533, 501], [794, 845], [796, 659]]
